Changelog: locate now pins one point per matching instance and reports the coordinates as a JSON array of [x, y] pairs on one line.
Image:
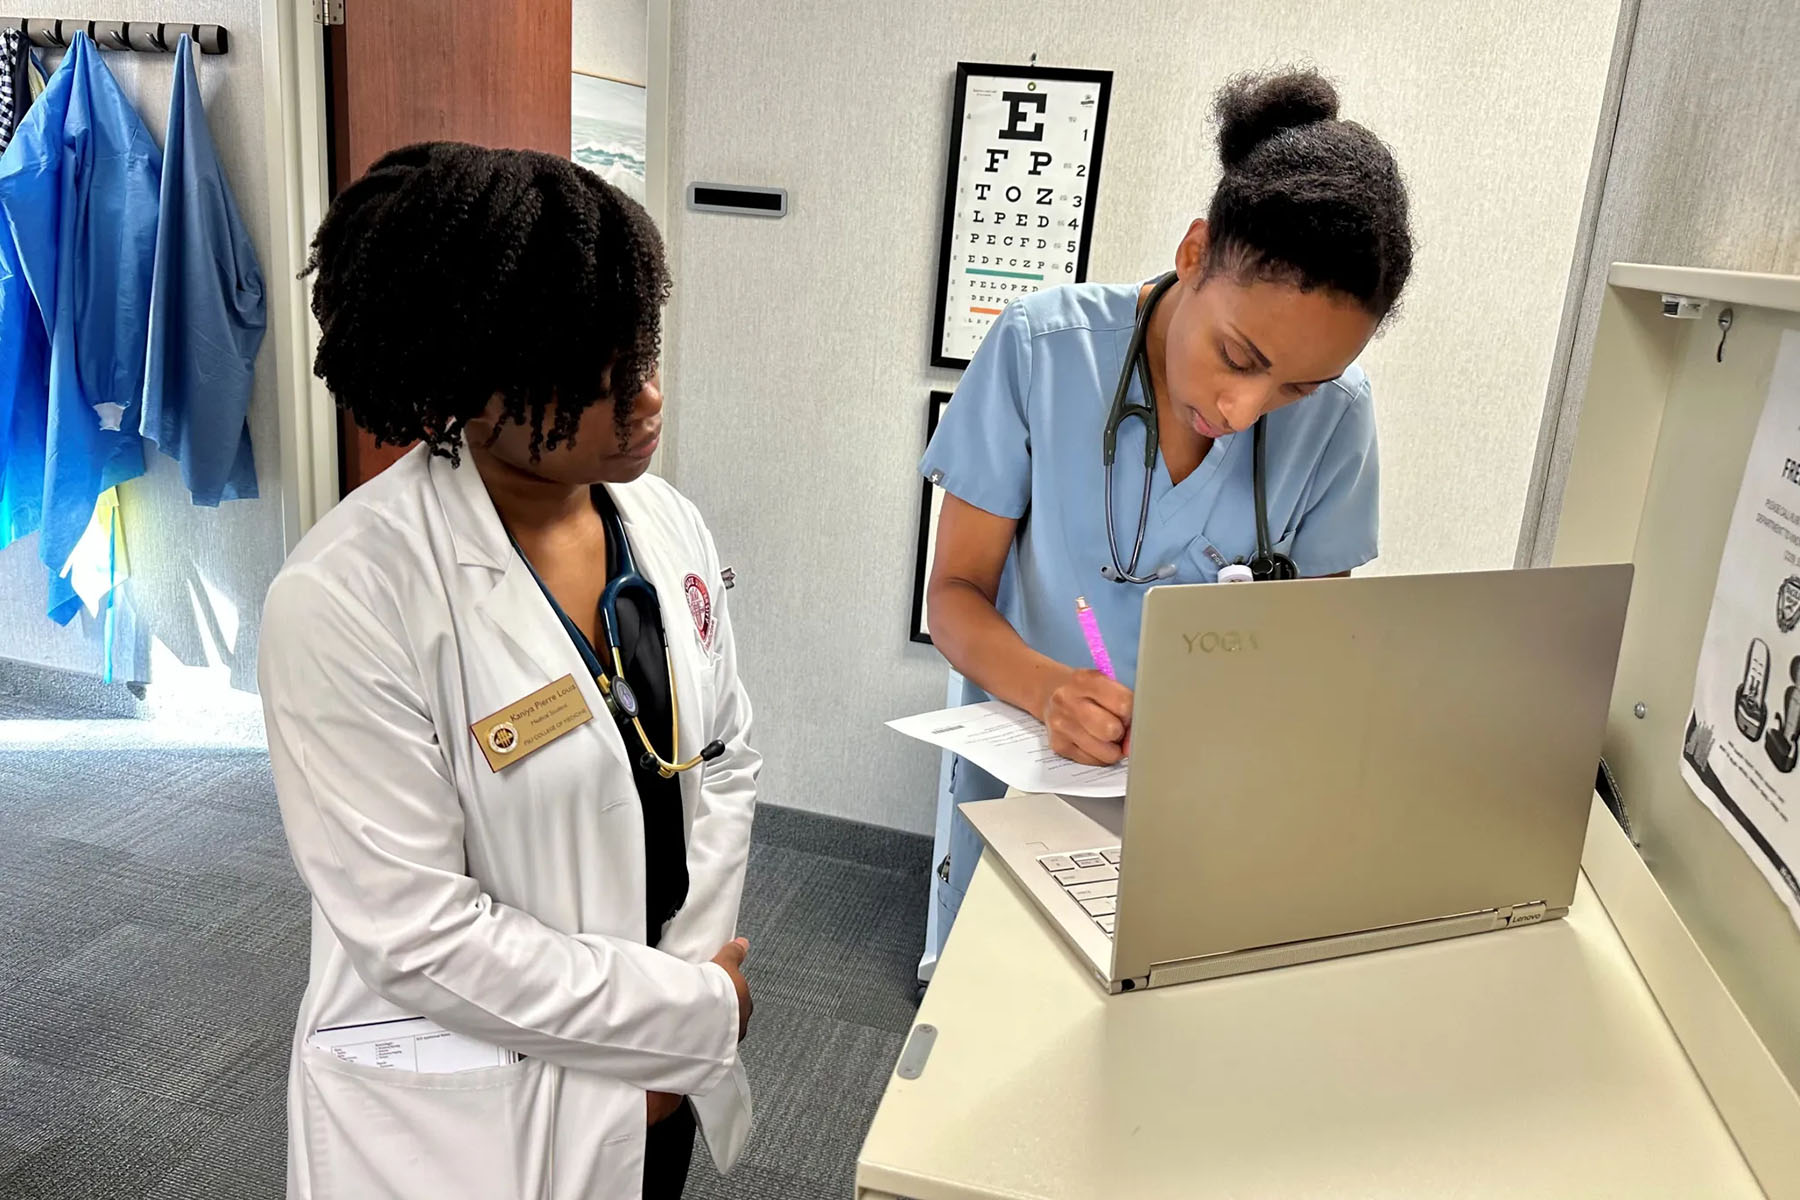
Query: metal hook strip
[[146, 36]]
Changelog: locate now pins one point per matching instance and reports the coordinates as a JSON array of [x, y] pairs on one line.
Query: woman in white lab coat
[[525, 980]]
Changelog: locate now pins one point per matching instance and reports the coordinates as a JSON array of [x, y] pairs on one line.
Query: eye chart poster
[[1024, 172], [1743, 738]]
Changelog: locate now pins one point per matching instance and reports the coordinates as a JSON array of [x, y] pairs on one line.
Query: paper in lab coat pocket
[[373, 1131]]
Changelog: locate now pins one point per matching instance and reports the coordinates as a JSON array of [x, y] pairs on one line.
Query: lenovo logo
[[1228, 641]]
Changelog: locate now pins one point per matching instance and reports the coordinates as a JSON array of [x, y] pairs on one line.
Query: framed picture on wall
[[607, 120], [931, 502], [1019, 193]]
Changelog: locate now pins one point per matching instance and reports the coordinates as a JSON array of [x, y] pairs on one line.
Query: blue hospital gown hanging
[[78, 211], [207, 313]]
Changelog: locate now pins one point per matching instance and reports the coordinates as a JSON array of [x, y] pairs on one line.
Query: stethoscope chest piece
[[621, 701]]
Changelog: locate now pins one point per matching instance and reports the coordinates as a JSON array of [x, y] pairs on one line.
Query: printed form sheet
[[1013, 747]]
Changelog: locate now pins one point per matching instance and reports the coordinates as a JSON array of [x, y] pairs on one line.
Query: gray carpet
[[153, 950]]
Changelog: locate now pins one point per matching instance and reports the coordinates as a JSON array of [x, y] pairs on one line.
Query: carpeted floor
[[153, 948]]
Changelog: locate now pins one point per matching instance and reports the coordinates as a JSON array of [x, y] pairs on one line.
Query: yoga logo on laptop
[[1228, 641]]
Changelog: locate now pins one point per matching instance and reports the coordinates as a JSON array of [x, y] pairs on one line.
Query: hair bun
[[1251, 109]]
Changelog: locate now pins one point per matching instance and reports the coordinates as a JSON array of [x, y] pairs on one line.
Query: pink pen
[[1090, 625]]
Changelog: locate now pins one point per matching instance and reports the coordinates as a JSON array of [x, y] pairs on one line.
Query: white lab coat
[[507, 907]]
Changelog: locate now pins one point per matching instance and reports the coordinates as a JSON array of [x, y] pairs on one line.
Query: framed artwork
[[931, 503], [607, 121], [1019, 193]]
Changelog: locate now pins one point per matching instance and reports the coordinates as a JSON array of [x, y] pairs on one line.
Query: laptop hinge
[[1525, 914], [1214, 966]]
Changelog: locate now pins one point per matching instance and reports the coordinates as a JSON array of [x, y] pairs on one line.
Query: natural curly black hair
[[1306, 198], [450, 274]]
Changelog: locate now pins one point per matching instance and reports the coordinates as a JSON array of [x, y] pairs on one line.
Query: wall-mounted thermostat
[[741, 201]]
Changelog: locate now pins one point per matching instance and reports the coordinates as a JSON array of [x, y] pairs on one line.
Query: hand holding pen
[[1088, 713]]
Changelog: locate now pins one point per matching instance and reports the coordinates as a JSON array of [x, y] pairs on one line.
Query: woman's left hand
[[659, 1106]]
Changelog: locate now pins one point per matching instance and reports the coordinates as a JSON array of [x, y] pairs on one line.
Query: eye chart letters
[[1024, 172]]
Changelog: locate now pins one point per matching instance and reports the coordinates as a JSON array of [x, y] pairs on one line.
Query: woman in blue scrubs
[[1302, 254]]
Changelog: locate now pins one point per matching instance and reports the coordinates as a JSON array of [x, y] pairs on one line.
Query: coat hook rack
[[145, 37]]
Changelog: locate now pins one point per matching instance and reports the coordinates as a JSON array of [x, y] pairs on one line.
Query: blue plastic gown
[[207, 313], [24, 391], [78, 215]]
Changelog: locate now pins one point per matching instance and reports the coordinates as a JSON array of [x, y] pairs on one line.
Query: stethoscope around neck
[[621, 701], [1266, 563]]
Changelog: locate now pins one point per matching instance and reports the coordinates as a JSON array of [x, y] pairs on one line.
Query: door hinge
[[328, 12]]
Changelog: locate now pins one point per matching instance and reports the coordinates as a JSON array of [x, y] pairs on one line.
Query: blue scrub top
[[1022, 439]]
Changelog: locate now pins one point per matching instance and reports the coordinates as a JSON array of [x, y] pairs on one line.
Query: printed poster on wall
[[1743, 737], [1024, 172]]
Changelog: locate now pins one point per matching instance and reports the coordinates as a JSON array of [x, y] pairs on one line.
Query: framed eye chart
[[1024, 172]]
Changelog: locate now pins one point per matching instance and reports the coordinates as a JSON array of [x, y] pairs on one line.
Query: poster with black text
[[1743, 737], [1024, 173]]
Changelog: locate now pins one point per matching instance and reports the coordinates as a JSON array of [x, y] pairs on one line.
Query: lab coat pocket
[[371, 1131]]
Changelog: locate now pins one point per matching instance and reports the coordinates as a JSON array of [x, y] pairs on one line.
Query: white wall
[[799, 348], [612, 39], [198, 575], [1702, 170]]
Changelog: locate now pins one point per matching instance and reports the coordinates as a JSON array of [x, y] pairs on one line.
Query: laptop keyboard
[[1091, 877]]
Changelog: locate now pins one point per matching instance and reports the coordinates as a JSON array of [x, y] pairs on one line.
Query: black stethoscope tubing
[[1266, 563]]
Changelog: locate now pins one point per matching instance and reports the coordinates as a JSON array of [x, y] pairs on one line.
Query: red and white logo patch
[[700, 605]]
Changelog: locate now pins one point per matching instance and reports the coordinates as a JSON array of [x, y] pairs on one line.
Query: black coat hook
[[1724, 328]]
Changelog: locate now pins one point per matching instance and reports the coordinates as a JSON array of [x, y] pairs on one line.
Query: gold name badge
[[522, 728]]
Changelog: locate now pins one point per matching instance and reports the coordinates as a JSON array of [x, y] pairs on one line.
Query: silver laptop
[[1325, 767]]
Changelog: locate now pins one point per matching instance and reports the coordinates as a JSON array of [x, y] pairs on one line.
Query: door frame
[[298, 133], [659, 93], [299, 167], [658, 14]]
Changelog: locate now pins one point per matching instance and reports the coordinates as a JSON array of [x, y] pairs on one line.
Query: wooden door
[[493, 72]]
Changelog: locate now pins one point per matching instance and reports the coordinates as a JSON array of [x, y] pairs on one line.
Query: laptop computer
[[1326, 767]]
